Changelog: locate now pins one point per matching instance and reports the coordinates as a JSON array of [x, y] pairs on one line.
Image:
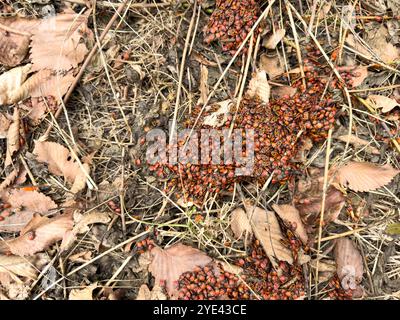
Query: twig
[[321, 219]]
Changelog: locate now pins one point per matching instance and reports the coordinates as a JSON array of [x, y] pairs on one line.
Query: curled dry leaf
[[240, 223], [83, 294], [349, 263], [168, 264], [82, 222], [382, 102], [38, 235], [358, 142], [15, 38], [273, 66], [272, 41], [57, 43], [266, 229], [24, 204], [259, 87], [4, 125], [308, 200], [291, 215], [12, 138], [326, 269], [155, 294], [219, 117], [365, 176], [11, 82], [60, 162]]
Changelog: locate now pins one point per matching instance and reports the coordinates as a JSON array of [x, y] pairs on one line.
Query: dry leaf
[[23, 206], [15, 39], [219, 117], [290, 214], [305, 147], [46, 83], [273, 66], [365, 176], [240, 223], [386, 51], [358, 46], [168, 264], [259, 86], [18, 266], [326, 269], [203, 84], [11, 82], [358, 142], [12, 138], [38, 235], [57, 43], [358, 76], [83, 294], [4, 125], [266, 229], [60, 162], [82, 223], [382, 102], [308, 200], [155, 294], [272, 41], [349, 263]]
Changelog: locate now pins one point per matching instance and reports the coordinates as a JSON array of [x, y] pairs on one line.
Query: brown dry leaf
[[155, 294], [358, 142], [349, 263], [38, 235], [365, 176], [57, 43], [240, 223], [259, 86], [273, 66], [12, 138], [358, 46], [23, 206], [282, 91], [219, 117], [266, 229], [17, 267], [168, 264], [204, 90], [46, 83], [308, 200], [9, 180], [382, 102], [291, 215], [324, 10], [11, 82], [326, 269], [358, 76], [60, 162], [83, 294], [272, 41], [82, 222], [81, 257], [4, 125], [15, 39], [386, 51]]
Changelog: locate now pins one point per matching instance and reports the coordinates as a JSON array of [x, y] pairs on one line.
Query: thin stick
[[86, 63], [181, 72], [296, 41], [321, 219]]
